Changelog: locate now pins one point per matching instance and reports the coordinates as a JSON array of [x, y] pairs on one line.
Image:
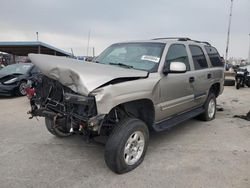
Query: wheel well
[[22, 80], [142, 109], [215, 88]]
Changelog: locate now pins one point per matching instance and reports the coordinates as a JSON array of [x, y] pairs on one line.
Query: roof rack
[[182, 39], [177, 38], [204, 42]]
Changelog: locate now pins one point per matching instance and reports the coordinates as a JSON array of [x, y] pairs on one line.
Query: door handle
[[209, 75], [191, 79]]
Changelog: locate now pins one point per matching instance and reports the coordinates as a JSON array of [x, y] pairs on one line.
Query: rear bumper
[[8, 90]]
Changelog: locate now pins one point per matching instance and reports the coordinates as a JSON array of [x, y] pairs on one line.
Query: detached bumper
[[8, 90]]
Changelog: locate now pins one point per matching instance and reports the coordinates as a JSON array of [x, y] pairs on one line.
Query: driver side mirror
[[175, 67]]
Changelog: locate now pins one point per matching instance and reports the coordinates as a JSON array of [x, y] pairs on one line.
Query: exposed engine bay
[[67, 110]]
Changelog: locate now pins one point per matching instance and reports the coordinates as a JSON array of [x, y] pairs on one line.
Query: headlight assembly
[[11, 81]]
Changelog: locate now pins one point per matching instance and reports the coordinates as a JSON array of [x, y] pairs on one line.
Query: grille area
[[50, 95]]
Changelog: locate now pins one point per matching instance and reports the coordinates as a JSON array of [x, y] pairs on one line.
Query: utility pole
[[37, 37], [88, 44], [93, 51], [72, 53], [249, 50], [229, 28]]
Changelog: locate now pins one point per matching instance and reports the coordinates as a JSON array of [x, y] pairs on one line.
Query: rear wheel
[[210, 108], [57, 129], [248, 83], [238, 85], [127, 145]]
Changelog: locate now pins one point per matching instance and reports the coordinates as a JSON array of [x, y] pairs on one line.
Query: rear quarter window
[[214, 56]]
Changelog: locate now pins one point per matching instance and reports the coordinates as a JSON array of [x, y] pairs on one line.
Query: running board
[[166, 124]]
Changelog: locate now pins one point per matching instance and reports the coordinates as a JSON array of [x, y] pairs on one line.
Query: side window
[[177, 53], [214, 56], [199, 58]]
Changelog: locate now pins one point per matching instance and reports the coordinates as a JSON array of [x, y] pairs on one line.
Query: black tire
[[20, 89], [229, 82], [205, 116], [115, 146], [59, 131], [237, 85], [248, 82]]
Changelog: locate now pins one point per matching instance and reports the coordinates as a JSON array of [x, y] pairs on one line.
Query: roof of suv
[[172, 39], [180, 39]]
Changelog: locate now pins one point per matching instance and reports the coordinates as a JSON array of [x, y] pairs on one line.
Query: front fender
[[112, 95]]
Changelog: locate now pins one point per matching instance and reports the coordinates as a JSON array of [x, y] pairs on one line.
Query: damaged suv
[[129, 89]]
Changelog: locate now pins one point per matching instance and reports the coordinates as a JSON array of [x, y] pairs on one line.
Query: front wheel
[[210, 108], [127, 145], [56, 128], [21, 88]]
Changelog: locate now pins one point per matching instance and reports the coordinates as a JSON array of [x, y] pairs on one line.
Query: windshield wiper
[[122, 65]]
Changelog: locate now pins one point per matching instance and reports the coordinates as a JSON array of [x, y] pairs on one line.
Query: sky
[[66, 24]]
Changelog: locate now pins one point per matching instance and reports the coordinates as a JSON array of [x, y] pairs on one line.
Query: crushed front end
[[63, 107]]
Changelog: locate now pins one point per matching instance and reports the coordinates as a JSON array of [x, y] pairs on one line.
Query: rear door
[[202, 74]]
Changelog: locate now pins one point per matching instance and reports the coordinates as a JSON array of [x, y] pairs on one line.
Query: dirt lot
[[193, 154]]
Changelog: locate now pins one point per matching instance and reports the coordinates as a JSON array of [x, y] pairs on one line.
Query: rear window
[[214, 56], [199, 58]]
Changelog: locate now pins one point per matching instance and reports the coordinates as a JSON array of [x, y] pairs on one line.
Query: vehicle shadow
[[9, 97], [174, 132], [75, 153], [156, 138]]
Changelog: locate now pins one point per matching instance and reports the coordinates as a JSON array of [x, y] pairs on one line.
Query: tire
[[128, 133], [248, 82], [59, 131], [210, 108], [238, 86], [229, 82], [21, 88]]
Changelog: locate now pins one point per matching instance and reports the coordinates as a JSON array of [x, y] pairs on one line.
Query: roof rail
[[177, 38], [182, 39], [204, 42]]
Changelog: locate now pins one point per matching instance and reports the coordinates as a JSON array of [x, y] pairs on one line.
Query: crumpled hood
[[81, 77]]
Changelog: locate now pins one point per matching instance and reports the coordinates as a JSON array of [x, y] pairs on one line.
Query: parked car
[[13, 78], [133, 88]]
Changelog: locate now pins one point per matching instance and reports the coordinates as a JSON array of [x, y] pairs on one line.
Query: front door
[[176, 89]]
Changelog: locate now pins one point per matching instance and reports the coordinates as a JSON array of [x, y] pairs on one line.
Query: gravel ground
[[193, 154]]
